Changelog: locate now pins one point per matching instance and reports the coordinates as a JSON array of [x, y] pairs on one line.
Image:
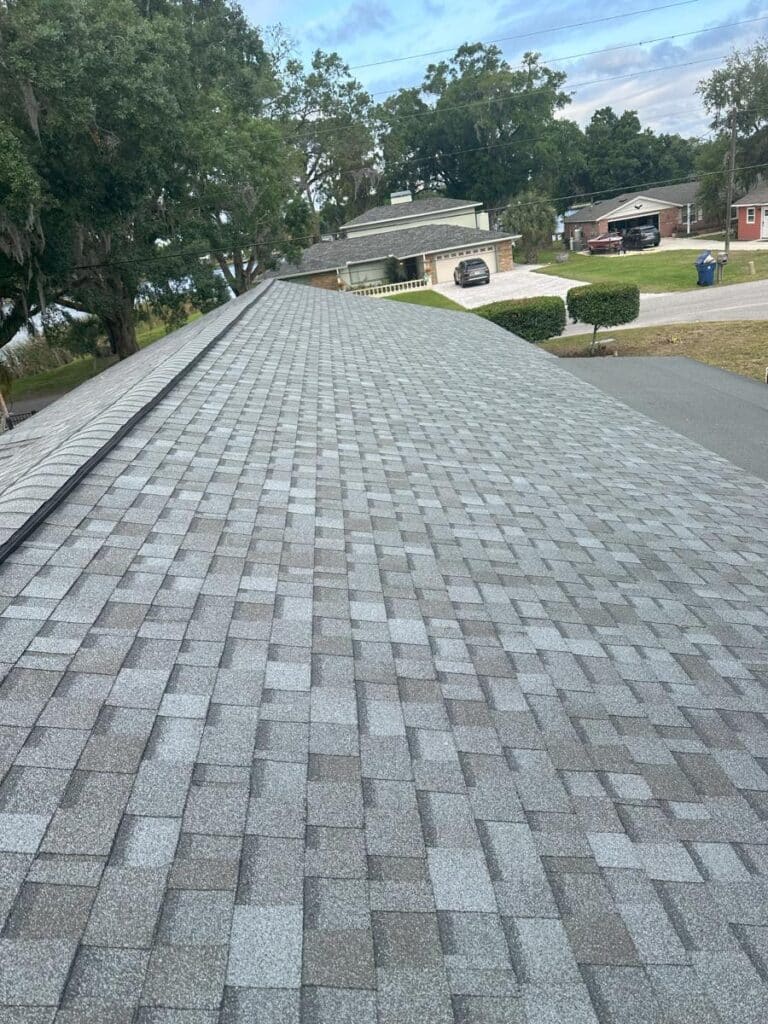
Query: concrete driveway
[[520, 283]]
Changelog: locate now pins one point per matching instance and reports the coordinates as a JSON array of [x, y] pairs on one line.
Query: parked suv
[[473, 271], [646, 236]]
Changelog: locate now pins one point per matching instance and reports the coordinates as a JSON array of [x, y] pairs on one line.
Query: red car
[[610, 241]]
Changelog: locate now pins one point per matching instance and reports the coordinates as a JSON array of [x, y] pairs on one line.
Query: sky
[[368, 31]]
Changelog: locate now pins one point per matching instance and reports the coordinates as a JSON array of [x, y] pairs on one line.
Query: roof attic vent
[[395, 198]]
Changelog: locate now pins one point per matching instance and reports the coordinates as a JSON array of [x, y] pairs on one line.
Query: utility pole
[[730, 186]]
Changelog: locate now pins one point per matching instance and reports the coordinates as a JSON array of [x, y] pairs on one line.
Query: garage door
[[445, 265]]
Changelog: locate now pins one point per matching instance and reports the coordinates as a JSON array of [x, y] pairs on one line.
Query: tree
[[739, 90], [477, 127], [603, 305], [532, 215], [621, 155], [326, 116], [142, 127]]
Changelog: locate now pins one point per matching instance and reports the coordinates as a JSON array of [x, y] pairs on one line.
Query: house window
[[750, 215]]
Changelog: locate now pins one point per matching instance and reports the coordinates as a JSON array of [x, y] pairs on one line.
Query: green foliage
[[476, 127], [603, 305], [739, 85], [535, 319], [326, 116], [80, 336], [739, 88], [394, 271], [620, 153], [144, 135], [532, 215]]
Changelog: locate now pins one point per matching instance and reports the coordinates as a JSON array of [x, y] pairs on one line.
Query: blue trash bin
[[705, 267]]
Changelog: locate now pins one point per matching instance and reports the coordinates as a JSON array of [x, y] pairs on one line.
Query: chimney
[[395, 198]]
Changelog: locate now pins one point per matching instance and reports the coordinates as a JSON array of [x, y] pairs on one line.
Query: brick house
[[672, 209], [429, 237], [752, 213]]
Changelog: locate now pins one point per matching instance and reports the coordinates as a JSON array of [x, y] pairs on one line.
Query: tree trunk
[[120, 324]]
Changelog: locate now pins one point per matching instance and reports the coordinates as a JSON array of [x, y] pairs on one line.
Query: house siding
[[749, 232], [327, 279], [459, 218]]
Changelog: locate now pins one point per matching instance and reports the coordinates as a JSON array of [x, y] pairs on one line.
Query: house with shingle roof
[[752, 214], [429, 236], [673, 209]]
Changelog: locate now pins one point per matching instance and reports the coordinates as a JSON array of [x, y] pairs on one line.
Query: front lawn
[[740, 346], [426, 298], [656, 271]]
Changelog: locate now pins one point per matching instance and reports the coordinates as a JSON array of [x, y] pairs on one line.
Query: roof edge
[[16, 501], [462, 204]]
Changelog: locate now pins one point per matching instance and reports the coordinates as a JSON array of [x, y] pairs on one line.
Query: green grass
[[427, 298], [740, 346], [656, 271], [65, 378]]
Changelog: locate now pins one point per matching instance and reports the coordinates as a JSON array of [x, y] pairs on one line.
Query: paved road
[[382, 673], [723, 302], [724, 412]]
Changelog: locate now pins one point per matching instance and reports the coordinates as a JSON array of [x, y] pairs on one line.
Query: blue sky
[[363, 31]]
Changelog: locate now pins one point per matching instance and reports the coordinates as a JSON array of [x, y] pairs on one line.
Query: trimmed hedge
[[536, 319], [604, 305]]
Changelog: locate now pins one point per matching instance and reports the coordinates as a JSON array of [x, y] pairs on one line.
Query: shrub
[[604, 305], [394, 271], [534, 319]]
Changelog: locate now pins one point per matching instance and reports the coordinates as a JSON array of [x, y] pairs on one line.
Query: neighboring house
[[752, 213], [429, 236], [672, 209]]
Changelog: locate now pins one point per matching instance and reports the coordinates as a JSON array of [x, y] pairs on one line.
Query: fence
[[391, 289]]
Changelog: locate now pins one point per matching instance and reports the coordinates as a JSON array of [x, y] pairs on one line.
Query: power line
[[605, 49], [527, 35], [489, 98]]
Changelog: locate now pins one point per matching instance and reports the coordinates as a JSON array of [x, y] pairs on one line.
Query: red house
[[752, 212]]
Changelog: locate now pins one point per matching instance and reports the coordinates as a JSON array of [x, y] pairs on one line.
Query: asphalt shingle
[[383, 673]]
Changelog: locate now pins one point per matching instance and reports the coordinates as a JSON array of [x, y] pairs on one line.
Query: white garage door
[[446, 264]]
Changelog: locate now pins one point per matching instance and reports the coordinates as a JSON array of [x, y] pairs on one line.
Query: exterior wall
[[504, 257], [670, 222], [462, 218], [327, 279], [365, 273], [749, 232]]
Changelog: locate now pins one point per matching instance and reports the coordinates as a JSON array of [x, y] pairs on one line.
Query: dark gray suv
[[646, 236], [474, 271]]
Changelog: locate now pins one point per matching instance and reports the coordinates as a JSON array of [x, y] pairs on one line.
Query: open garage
[[672, 209]]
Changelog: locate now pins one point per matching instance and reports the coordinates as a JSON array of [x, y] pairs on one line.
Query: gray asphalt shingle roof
[[680, 195], [406, 242], [383, 671], [757, 196], [417, 207]]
